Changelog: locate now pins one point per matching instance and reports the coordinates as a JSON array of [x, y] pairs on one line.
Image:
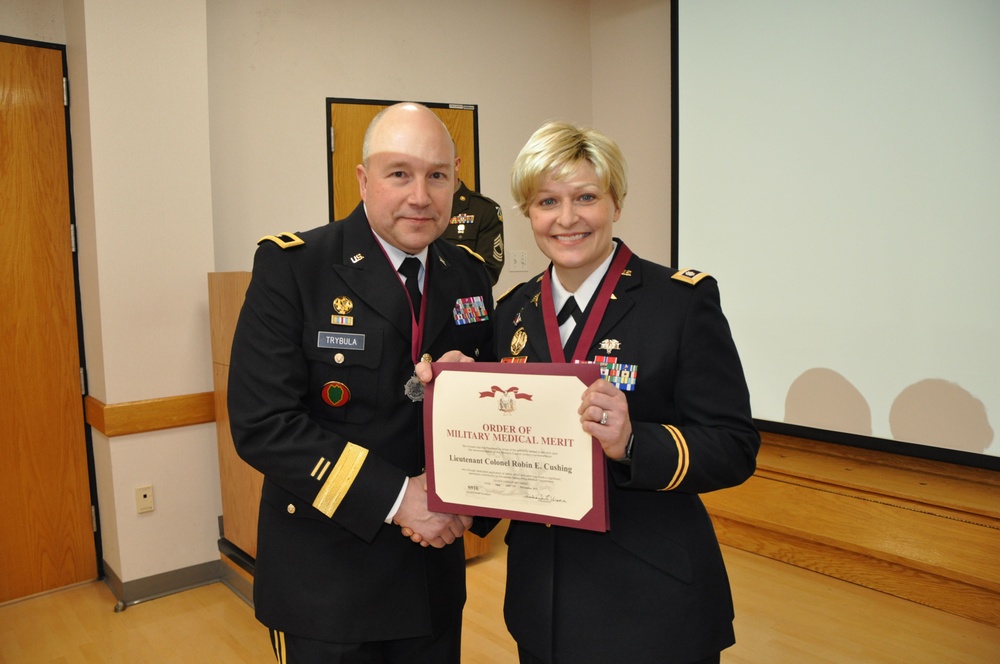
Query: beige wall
[[272, 64], [630, 46], [39, 20], [139, 122], [199, 126]]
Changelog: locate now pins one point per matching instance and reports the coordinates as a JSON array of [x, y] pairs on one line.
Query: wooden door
[[349, 119], [46, 526]]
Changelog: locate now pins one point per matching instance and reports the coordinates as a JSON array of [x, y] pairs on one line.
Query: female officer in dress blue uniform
[[672, 415]]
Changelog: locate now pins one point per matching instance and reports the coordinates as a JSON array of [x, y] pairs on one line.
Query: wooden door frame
[[84, 384], [330, 139]]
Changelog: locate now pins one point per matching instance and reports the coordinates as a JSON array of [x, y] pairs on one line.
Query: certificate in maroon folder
[[505, 440]]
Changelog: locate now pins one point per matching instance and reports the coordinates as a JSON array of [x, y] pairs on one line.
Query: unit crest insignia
[[336, 394], [343, 305], [518, 341]]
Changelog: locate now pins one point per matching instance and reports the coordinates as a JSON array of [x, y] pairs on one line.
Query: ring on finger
[[604, 417]]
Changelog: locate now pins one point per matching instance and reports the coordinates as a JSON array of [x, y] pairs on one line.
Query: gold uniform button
[[291, 508], [339, 358]]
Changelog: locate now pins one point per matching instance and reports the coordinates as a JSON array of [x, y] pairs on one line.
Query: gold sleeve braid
[[340, 479], [683, 458]]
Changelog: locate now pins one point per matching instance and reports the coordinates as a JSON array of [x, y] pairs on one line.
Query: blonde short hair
[[555, 150]]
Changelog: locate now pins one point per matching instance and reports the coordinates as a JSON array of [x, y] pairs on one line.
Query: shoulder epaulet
[[481, 260], [509, 291], [689, 276], [283, 240], [483, 196], [488, 201]]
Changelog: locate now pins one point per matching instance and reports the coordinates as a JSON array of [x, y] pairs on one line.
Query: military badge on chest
[[335, 393], [517, 343], [342, 306], [622, 376], [460, 221], [469, 310]]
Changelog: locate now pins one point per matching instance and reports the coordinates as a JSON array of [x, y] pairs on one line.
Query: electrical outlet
[[144, 499], [519, 261]]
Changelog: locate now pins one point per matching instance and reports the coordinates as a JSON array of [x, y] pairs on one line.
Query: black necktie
[[411, 269], [569, 309]]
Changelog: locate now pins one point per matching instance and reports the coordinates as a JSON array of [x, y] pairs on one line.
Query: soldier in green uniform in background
[[477, 224]]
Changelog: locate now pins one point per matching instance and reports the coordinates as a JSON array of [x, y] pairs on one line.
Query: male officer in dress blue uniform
[[323, 401]]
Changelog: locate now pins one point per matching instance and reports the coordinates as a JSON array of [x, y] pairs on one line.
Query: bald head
[[407, 176], [396, 122]]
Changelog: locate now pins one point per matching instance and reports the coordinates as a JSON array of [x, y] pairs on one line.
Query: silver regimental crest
[[414, 389]]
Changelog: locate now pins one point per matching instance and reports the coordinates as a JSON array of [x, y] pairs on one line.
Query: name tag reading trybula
[[341, 340]]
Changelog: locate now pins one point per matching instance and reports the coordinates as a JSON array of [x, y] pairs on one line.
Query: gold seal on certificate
[[505, 440]]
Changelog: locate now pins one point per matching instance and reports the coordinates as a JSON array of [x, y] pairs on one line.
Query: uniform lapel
[[367, 271], [622, 302], [533, 323], [441, 293]]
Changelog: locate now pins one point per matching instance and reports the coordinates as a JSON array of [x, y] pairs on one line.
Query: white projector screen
[[838, 170]]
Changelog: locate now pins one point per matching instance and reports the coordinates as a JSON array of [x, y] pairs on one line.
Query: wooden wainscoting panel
[[241, 483], [899, 580], [936, 485], [924, 531], [123, 419], [227, 291]]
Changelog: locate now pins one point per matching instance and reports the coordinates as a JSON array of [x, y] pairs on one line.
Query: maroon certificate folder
[[505, 440]]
